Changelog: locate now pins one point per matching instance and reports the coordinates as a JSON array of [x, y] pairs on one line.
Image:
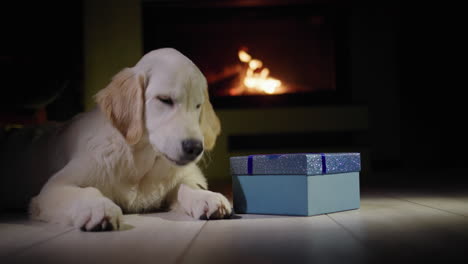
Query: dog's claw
[[105, 225], [203, 217]]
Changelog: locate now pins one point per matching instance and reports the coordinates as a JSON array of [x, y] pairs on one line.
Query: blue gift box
[[296, 184]]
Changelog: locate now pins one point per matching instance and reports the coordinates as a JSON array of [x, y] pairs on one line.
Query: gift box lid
[[296, 164]]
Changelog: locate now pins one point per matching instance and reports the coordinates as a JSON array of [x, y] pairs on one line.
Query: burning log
[[228, 72]]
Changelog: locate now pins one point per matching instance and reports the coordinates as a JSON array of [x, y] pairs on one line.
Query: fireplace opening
[[256, 56]]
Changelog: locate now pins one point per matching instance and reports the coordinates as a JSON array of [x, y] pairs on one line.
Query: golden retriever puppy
[[137, 151]]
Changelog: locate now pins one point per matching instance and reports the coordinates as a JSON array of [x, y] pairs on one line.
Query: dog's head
[[165, 97]]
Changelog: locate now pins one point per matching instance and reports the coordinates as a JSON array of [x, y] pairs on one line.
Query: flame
[[257, 78], [244, 56]]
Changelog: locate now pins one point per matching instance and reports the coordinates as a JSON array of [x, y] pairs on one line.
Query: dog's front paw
[[204, 205], [98, 214]]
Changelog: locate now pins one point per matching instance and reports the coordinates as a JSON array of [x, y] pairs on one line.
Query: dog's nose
[[192, 148]]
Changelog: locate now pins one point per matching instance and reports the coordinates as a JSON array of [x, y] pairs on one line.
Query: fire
[[256, 78]]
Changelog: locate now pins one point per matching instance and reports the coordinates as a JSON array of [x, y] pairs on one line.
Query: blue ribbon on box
[[250, 164], [324, 163], [275, 156]]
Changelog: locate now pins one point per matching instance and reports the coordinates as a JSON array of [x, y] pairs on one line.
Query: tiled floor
[[390, 227]]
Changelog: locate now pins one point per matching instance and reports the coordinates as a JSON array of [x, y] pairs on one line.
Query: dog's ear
[[122, 101], [209, 123]]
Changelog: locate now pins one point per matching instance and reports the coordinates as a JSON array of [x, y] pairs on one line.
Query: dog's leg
[[191, 195], [63, 201], [203, 204]]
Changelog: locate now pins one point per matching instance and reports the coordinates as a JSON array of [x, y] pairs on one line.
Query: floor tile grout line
[[440, 209], [21, 250], [360, 241], [435, 208], [180, 259]]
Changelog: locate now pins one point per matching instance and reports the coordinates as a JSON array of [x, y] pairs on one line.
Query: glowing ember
[[257, 78]]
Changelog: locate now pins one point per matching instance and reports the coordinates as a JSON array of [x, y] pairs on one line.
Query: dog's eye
[[198, 106], [165, 99]]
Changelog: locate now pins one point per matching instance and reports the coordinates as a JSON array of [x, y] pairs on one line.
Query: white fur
[[103, 171]]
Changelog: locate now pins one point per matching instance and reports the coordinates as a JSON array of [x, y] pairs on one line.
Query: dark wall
[[405, 64], [41, 56], [433, 93], [374, 72]]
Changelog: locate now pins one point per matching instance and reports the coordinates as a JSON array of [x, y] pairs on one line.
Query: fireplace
[[256, 54]]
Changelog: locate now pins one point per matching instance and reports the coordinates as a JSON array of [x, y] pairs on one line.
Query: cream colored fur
[[121, 156]]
